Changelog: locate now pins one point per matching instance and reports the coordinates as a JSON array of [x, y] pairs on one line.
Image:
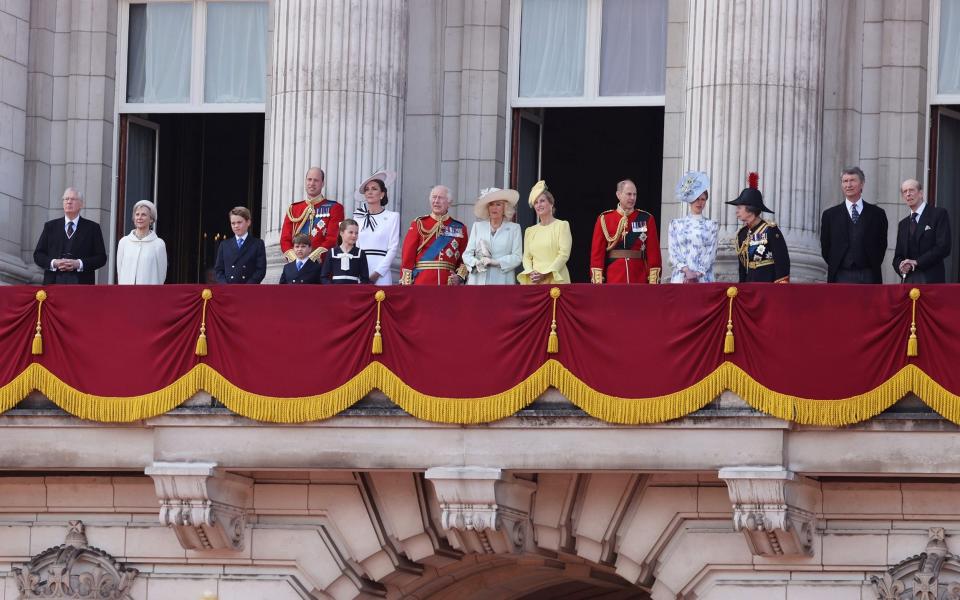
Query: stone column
[[337, 99], [14, 36], [754, 103]]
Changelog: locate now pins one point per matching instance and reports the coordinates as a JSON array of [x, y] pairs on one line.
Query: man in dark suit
[[70, 249], [240, 259], [923, 238], [302, 269], [853, 234]]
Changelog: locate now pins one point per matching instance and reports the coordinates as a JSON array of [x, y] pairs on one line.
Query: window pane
[[633, 48], [158, 53], [552, 43], [236, 52], [949, 66]]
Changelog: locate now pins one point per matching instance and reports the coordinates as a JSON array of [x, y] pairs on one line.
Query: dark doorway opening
[[943, 189], [582, 154], [205, 165]]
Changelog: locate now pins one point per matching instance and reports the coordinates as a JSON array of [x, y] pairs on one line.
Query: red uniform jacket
[[319, 218], [625, 248], [432, 251]]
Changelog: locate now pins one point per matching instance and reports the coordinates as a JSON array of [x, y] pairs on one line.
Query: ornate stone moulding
[[483, 510], [773, 508], [74, 570], [205, 506], [931, 575]]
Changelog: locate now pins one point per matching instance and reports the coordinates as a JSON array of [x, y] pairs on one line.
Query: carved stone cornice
[[773, 508], [74, 570], [923, 576], [483, 510], [205, 506]]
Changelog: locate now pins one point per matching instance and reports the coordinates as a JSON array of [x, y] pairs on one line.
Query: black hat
[[751, 196]]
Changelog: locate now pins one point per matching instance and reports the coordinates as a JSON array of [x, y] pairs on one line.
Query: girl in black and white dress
[[346, 263]]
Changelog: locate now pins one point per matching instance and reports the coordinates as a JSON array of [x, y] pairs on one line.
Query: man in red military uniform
[[317, 217], [434, 245], [625, 247]]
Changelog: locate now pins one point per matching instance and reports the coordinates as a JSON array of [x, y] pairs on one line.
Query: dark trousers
[[854, 276]]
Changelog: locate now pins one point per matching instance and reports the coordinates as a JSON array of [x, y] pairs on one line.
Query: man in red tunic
[[434, 245], [625, 247], [317, 217]]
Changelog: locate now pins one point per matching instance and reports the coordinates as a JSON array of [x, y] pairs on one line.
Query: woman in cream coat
[[493, 250], [141, 255]]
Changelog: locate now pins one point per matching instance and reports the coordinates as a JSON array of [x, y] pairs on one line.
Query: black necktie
[[69, 229], [913, 223]]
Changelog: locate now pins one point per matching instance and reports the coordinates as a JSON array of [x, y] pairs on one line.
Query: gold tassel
[[553, 342], [380, 296], [37, 347], [912, 341], [728, 346], [202, 340]]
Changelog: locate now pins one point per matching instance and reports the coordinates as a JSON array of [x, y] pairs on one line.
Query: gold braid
[[427, 234]]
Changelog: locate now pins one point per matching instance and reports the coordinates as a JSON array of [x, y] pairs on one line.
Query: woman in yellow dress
[[546, 245]]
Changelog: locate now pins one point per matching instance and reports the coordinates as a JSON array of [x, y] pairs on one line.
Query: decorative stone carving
[[74, 570], [773, 508], [206, 507], [922, 577], [484, 510]]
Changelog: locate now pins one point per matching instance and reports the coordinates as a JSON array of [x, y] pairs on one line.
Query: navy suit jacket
[[241, 265], [835, 238], [309, 273], [929, 246], [86, 245]]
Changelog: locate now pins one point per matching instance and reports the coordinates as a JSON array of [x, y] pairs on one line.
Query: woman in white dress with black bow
[[494, 248], [379, 228]]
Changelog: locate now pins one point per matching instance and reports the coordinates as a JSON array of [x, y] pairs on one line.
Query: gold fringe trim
[[484, 409]]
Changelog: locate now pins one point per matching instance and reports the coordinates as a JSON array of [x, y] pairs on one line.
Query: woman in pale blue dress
[[494, 248], [693, 238]]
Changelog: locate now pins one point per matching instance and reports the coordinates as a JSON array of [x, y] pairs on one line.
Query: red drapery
[[813, 353]]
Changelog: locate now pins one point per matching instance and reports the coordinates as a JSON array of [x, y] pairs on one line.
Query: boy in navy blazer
[[301, 270], [243, 258]]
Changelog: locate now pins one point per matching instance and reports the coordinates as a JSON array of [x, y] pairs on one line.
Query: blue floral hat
[[692, 184]]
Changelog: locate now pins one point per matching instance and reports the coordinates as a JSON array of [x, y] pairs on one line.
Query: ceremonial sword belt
[[613, 254], [433, 264]]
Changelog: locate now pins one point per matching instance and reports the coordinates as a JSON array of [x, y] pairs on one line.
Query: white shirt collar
[[243, 237], [75, 221], [920, 208], [850, 205]]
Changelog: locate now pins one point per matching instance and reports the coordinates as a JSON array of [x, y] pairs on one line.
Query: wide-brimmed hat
[[489, 195], [387, 177], [692, 185], [537, 189], [751, 196]]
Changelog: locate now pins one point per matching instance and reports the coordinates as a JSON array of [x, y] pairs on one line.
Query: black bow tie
[[369, 219]]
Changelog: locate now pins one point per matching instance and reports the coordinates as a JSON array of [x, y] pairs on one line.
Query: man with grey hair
[[923, 238], [70, 248], [853, 234], [434, 245]]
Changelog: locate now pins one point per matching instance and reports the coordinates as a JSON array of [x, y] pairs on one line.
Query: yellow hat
[[539, 188]]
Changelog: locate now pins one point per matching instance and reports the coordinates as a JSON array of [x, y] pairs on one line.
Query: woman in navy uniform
[[760, 245]]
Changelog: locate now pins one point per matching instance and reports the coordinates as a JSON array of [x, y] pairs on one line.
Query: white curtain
[[949, 64], [552, 46], [236, 52], [633, 48], [158, 55]]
